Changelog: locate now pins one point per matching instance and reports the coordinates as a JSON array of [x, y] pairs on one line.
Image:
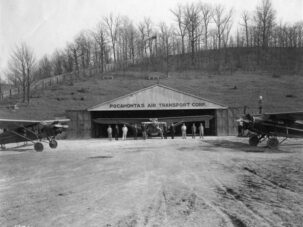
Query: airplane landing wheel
[[254, 140], [38, 147], [53, 144], [273, 142]]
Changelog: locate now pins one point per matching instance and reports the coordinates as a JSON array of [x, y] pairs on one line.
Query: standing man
[[165, 131], [172, 130], [160, 131], [124, 132], [135, 131], [240, 128], [183, 130], [201, 131], [193, 130], [116, 132], [110, 132], [143, 131]]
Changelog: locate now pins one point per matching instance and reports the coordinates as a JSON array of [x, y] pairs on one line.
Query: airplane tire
[[38, 147], [254, 140], [273, 142], [53, 144]]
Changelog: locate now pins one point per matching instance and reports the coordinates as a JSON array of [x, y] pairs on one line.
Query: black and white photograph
[[156, 113]]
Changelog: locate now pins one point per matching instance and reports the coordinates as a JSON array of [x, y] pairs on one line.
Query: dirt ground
[[218, 181]]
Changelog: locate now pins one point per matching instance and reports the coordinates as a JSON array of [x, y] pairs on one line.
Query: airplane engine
[[152, 130]]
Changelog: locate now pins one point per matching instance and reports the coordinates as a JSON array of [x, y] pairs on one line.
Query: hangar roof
[[156, 97]]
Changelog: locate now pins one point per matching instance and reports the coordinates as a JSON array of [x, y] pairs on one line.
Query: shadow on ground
[[16, 149], [239, 146], [101, 156]]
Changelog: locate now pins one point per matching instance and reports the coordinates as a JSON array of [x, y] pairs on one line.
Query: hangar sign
[[155, 105], [156, 97]]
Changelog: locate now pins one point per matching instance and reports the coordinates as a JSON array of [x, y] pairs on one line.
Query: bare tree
[[124, 41], [222, 20], [83, 43], [128, 36], [226, 33], [57, 62], [133, 36], [149, 34], [193, 20], [265, 20], [113, 26], [100, 39], [68, 62], [182, 25], [44, 68], [299, 26], [141, 42], [206, 11], [21, 65], [245, 20], [165, 42], [73, 50]]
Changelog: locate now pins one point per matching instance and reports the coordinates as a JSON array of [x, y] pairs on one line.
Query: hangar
[[156, 101]]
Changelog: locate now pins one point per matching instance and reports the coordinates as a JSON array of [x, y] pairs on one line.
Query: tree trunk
[[28, 85]]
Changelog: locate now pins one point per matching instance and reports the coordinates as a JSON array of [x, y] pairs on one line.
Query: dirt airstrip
[[218, 181]]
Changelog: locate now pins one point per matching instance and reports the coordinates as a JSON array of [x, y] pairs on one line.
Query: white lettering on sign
[[155, 105], [126, 105]]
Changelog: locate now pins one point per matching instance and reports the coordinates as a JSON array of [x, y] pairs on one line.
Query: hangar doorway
[[206, 117], [155, 102]]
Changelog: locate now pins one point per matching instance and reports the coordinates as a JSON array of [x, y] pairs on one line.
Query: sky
[[49, 24]]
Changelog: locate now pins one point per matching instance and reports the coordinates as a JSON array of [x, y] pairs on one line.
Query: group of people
[[162, 131], [117, 132], [193, 131]]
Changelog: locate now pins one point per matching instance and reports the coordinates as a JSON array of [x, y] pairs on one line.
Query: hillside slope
[[280, 93]]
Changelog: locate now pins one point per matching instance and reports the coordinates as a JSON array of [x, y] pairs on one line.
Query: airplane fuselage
[[277, 128], [28, 134]]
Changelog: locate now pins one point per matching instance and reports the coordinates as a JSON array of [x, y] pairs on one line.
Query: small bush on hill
[[82, 90], [274, 75], [290, 96]]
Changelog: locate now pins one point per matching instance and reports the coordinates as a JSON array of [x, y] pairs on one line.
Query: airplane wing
[[286, 116], [12, 124], [127, 121], [183, 119], [175, 120]]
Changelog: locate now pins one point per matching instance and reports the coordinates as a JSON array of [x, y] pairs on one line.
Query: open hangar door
[[100, 130]]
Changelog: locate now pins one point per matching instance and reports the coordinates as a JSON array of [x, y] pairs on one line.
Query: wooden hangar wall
[[226, 124], [81, 125]]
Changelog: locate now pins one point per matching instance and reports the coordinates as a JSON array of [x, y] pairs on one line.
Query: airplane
[[154, 125], [35, 131], [272, 125]]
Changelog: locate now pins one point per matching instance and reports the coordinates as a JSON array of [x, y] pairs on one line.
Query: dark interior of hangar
[[100, 130]]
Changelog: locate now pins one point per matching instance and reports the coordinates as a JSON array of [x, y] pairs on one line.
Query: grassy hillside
[[280, 93]]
